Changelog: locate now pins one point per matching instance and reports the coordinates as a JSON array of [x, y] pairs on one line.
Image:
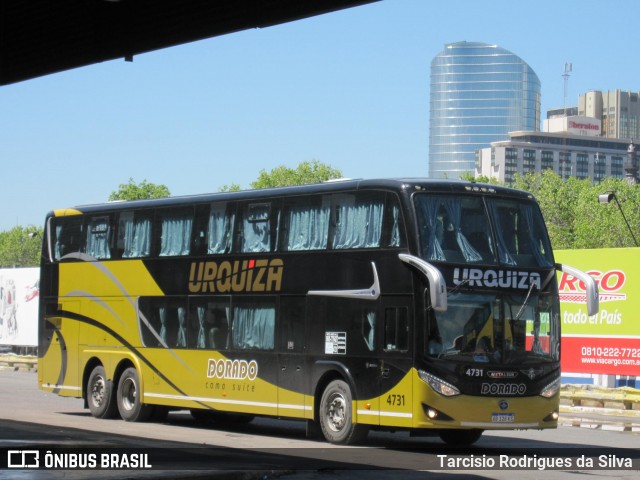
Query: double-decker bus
[[424, 305]]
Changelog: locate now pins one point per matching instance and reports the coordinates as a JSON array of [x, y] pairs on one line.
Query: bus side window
[[394, 229], [396, 329], [99, 237], [306, 224], [253, 325], [163, 322], [255, 228], [175, 236], [357, 221], [209, 327], [134, 234], [368, 329], [219, 229], [68, 236]]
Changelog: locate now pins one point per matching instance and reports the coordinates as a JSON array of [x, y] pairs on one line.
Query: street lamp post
[[606, 198]]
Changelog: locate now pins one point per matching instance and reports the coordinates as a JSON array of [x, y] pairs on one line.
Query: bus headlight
[[440, 386], [551, 389]]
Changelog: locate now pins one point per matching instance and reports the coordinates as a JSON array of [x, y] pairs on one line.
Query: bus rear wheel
[[460, 437], [101, 396], [336, 415], [130, 404]]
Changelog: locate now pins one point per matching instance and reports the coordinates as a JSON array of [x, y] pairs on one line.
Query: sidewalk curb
[[23, 363], [613, 401]]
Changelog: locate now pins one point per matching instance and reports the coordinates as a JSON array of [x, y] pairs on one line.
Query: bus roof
[[340, 185]]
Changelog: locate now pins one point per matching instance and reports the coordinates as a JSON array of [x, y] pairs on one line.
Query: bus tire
[[130, 404], [336, 415], [461, 437], [101, 396]]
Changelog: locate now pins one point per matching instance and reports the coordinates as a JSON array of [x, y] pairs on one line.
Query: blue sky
[[349, 88]]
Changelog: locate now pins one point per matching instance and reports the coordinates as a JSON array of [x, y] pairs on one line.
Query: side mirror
[[437, 284], [593, 297]]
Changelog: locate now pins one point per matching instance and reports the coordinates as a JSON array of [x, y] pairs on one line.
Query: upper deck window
[[522, 236], [134, 234], [219, 229], [307, 224], [458, 229], [454, 229], [256, 228], [357, 221], [99, 238], [175, 238], [68, 236]]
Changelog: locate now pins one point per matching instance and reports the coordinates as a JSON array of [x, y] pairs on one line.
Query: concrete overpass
[[40, 37]]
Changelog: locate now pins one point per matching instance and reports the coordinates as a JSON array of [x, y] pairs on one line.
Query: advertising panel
[[19, 291], [609, 342]]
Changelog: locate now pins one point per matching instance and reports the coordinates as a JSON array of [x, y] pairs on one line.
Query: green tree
[[234, 187], [20, 247], [305, 173], [573, 215], [141, 191], [481, 179]]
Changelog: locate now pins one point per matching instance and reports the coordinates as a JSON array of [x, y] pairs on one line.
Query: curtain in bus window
[[536, 243], [253, 327], [308, 228], [219, 229], [137, 236], [176, 235], [182, 328], [202, 311], [369, 329], [98, 239], [58, 246], [453, 207], [358, 225], [163, 324], [429, 207], [394, 240], [255, 229], [505, 232]]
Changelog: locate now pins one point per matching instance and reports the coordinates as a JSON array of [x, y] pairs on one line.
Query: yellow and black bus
[[409, 304]]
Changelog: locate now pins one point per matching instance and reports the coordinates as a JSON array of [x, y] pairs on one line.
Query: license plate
[[503, 418]]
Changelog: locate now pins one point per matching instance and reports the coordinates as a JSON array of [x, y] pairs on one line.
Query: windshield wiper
[[458, 287], [524, 304]]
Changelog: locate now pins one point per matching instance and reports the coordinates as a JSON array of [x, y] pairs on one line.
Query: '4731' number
[[395, 400]]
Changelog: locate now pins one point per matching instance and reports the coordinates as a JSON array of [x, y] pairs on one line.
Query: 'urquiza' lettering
[[477, 277], [238, 276]]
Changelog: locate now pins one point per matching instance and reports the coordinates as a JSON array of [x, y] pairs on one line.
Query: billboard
[[19, 292], [609, 342]]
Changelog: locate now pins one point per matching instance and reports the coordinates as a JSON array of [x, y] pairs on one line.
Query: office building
[[479, 93], [574, 150], [618, 111]]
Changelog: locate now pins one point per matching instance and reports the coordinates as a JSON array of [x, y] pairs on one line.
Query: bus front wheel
[[101, 396], [130, 404], [336, 415], [461, 437]]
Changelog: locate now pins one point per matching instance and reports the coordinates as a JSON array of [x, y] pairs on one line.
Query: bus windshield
[[496, 328], [482, 230]]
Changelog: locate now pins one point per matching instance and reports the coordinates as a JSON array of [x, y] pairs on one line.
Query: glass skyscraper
[[479, 93]]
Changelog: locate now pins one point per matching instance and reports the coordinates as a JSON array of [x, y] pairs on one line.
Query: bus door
[[395, 361], [292, 375], [343, 339]]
